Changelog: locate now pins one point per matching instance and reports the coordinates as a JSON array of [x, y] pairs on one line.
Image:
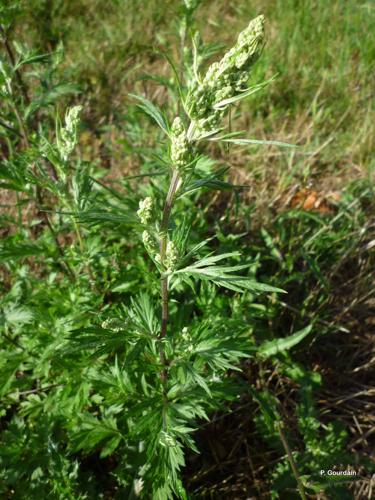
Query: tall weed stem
[[164, 278]]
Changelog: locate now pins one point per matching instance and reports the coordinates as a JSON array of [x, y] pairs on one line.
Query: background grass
[[307, 214], [322, 54]]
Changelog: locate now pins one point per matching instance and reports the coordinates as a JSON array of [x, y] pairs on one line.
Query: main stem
[[164, 279]]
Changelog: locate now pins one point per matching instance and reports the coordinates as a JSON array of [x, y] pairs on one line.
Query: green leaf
[[247, 142], [100, 215], [124, 287], [20, 251], [151, 110], [212, 181], [142, 314], [18, 315], [101, 339], [110, 446], [175, 71], [273, 347], [93, 431], [32, 58], [206, 269], [50, 97], [251, 90]]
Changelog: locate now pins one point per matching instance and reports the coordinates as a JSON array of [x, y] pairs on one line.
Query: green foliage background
[[71, 414]]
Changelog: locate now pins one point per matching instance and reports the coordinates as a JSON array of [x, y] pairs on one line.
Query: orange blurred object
[[311, 200]]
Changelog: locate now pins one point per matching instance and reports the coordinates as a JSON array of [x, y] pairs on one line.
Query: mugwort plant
[[188, 360], [168, 358]]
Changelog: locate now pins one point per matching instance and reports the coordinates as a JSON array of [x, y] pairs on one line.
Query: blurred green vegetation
[[305, 220], [321, 52]]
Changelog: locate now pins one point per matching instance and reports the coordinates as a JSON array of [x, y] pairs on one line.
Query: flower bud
[[180, 147], [170, 259], [146, 238], [145, 210], [171, 256], [227, 78]]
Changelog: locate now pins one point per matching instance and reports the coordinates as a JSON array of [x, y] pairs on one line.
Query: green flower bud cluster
[[147, 240], [145, 210], [227, 78], [181, 154], [186, 337], [67, 137], [171, 257], [151, 245], [185, 334]]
